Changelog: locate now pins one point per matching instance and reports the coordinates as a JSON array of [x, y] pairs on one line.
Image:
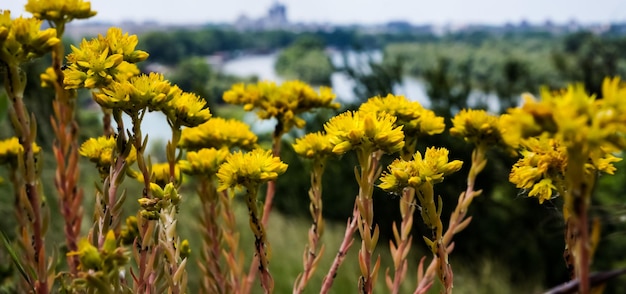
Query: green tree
[[305, 60]]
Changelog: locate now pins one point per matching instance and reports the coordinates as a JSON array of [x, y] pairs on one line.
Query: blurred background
[[448, 55]]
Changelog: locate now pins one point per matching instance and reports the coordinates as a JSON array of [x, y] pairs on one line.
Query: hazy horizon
[[492, 12]]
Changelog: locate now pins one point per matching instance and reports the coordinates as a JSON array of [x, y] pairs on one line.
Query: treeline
[[171, 47]]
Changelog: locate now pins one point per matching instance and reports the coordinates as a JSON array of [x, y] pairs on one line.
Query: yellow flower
[[11, 148], [145, 91], [542, 158], [542, 190], [368, 132], [431, 168], [100, 151], [313, 145], [416, 119], [204, 162], [282, 102], [124, 44], [477, 126], [187, 109], [88, 255], [161, 174], [435, 165], [399, 175], [48, 78], [130, 231], [22, 40], [217, 133], [59, 10], [103, 60], [185, 249], [249, 169]]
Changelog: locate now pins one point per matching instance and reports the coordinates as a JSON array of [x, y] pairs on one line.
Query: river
[[262, 66]]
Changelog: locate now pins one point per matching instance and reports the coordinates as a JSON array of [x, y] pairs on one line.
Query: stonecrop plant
[[562, 140]]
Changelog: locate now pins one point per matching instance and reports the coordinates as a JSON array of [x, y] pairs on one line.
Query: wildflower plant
[[578, 135], [317, 147], [249, 171], [283, 103], [370, 136], [22, 40], [208, 145], [416, 121]]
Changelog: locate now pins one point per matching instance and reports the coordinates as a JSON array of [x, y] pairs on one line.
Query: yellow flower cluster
[[21, 39], [574, 117], [477, 126], [11, 148], [313, 145], [217, 133], [108, 260], [186, 109], [431, 168], [368, 132], [249, 169], [416, 119], [542, 166], [161, 174], [100, 151], [144, 91], [282, 102], [103, 60], [60, 11], [206, 161]]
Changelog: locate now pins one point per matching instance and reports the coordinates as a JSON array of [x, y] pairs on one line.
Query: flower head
[[144, 91], [432, 168], [217, 133], [477, 126], [100, 151], [249, 169], [205, 161], [313, 145], [161, 174], [103, 60], [369, 132], [60, 10], [11, 148], [282, 102], [186, 109], [542, 158], [415, 119], [22, 39]]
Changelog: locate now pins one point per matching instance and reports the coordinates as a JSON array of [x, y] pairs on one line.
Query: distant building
[[276, 18]]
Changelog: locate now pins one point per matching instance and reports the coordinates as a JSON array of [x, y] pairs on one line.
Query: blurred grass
[[288, 236]]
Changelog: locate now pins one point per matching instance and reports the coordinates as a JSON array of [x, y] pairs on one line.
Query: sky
[[351, 11]]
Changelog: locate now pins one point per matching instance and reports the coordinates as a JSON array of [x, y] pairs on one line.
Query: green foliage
[[305, 60]]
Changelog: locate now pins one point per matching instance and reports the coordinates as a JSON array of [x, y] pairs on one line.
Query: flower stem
[[346, 243], [267, 206], [234, 257], [370, 171], [457, 223], [403, 240], [25, 127], [311, 252], [65, 149], [214, 280], [260, 239]]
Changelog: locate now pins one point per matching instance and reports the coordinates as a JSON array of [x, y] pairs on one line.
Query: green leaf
[[7, 245]]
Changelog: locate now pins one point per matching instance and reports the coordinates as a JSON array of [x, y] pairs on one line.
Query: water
[[262, 66]]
